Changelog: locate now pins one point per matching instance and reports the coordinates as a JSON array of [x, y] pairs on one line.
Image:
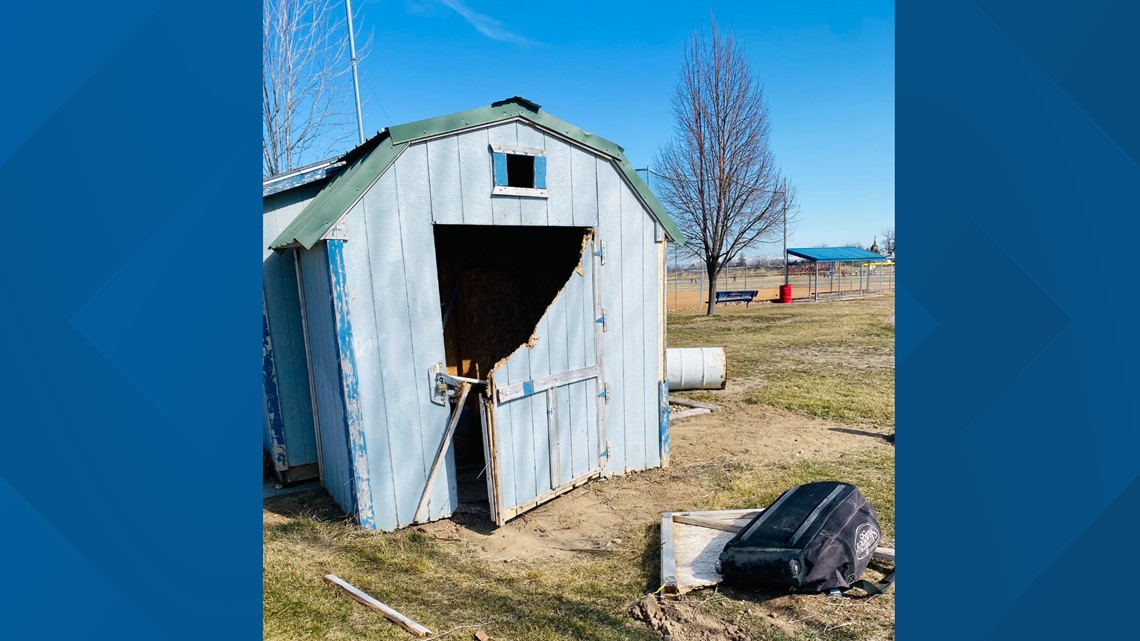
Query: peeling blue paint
[[353, 421], [272, 398]]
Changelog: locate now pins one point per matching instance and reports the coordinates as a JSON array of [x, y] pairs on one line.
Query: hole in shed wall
[[495, 283], [498, 282]]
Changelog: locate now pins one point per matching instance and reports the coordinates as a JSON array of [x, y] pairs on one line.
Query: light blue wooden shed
[[466, 311]]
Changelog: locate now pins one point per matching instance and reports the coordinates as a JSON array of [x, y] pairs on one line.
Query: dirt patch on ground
[[683, 621], [758, 433], [592, 518]]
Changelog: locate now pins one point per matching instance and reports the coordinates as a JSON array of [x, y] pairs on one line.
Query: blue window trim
[[500, 169], [499, 174], [540, 172]]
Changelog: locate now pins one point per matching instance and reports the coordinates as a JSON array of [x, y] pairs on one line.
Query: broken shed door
[[547, 423]]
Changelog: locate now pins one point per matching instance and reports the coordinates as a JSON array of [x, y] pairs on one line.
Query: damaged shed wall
[[393, 300], [288, 429]]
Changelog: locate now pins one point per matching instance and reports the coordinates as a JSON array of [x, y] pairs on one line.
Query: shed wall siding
[[279, 284], [398, 334], [632, 340], [338, 477], [394, 304], [461, 178], [564, 341]]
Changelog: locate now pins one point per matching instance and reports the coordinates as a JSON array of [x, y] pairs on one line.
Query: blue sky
[[610, 68]]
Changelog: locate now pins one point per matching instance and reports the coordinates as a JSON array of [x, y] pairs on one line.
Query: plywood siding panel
[[394, 330], [326, 375], [562, 341], [632, 313], [505, 453], [282, 306], [612, 278], [651, 346], [559, 343], [540, 367], [445, 178], [422, 290], [475, 179], [506, 210], [576, 459], [584, 171], [522, 430], [373, 404], [589, 327], [533, 211], [559, 182], [279, 284]]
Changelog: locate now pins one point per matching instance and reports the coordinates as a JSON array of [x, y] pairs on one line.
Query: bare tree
[[720, 175], [889, 242], [306, 85]]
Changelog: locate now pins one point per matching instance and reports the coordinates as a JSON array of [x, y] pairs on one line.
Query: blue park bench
[[745, 296]]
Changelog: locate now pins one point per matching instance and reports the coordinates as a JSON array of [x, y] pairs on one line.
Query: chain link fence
[[688, 288]]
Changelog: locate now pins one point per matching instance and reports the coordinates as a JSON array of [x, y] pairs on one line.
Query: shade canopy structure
[[838, 255]]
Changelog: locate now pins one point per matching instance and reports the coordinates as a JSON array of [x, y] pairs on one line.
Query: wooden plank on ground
[[692, 412], [684, 402], [668, 557], [709, 523], [392, 615]]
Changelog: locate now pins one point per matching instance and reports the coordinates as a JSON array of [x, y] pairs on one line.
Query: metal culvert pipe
[[689, 368]]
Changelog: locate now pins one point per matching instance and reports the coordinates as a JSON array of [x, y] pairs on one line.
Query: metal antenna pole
[[355, 79]]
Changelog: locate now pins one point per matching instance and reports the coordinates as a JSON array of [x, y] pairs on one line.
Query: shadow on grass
[[651, 558], [890, 438], [475, 521], [315, 504]]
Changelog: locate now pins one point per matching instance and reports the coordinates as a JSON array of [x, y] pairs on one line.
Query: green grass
[[442, 587], [830, 360], [868, 397], [872, 471]]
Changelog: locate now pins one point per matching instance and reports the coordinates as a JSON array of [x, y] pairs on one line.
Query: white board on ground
[[697, 542], [698, 548]]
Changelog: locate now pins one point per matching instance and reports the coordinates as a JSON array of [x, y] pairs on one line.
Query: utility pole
[[785, 231], [355, 79]]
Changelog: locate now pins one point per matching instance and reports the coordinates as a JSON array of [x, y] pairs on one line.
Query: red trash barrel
[[785, 293]]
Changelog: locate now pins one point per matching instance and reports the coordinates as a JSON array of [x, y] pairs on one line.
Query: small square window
[[519, 171]]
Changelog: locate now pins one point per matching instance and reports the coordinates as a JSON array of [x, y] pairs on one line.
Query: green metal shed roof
[[368, 161]]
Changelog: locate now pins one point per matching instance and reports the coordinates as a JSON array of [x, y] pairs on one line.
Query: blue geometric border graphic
[[1019, 444], [129, 316]]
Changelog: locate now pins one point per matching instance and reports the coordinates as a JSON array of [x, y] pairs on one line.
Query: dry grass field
[[810, 397]]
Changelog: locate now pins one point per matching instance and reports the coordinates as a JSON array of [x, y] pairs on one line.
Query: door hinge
[[605, 393], [601, 252], [602, 320]]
